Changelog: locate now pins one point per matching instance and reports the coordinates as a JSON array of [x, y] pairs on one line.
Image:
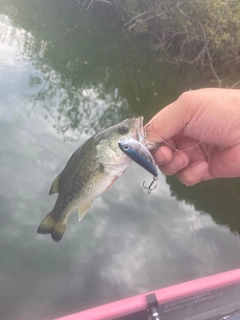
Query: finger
[[179, 161], [156, 116], [192, 115], [157, 138], [194, 173], [194, 150], [162, 155], [172, 119]]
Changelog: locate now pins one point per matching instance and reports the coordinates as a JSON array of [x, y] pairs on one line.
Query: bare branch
[[134, 18]]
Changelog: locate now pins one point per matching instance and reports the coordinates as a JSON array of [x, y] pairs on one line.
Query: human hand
[[200, 132]]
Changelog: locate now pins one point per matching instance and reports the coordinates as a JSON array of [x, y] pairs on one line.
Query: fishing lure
[[141, 155]]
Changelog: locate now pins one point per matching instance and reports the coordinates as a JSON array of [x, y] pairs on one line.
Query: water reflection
[[129, 242], [219, 197], [66, 93], [76, 71]]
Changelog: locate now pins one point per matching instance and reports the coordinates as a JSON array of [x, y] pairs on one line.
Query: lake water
[[64, 76]]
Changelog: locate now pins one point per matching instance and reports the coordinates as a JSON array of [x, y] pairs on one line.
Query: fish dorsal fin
[[54, 186], [83, 210]]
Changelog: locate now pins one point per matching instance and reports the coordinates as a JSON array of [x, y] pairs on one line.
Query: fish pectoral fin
[[83, 210], [54, 186]]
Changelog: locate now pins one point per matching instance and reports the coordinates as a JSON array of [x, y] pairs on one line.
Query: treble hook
[[149, 187]]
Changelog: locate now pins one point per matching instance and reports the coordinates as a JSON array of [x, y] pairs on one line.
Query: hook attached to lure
[[149, 188]]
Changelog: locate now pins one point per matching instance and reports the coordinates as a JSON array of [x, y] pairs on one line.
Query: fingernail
[[177, 161], [200, 168]]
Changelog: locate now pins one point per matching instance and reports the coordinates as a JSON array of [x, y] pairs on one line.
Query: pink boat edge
[[200, 299]]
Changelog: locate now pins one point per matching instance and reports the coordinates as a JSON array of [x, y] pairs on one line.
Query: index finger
[[169, 121], [174, 118]]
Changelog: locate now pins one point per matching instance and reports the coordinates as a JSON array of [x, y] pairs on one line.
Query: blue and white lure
[[142, 156]]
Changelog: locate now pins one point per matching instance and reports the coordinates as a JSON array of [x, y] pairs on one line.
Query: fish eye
[[123, 130], [126, 147]]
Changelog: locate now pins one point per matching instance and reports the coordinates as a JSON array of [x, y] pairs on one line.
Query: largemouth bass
[[91, 170], [139, 154]]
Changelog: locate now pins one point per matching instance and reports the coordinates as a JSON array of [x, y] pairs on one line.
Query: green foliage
[[193, 31], [220, 20]]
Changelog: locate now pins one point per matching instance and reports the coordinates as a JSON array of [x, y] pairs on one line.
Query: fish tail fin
[[52, 226]]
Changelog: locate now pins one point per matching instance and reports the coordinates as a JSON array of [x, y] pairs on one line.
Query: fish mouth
[[141, 135], [140, 132]]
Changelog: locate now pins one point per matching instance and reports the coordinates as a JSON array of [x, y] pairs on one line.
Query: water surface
[[63, 77]]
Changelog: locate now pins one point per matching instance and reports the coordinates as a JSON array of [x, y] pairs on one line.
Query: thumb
[[173, 119]]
